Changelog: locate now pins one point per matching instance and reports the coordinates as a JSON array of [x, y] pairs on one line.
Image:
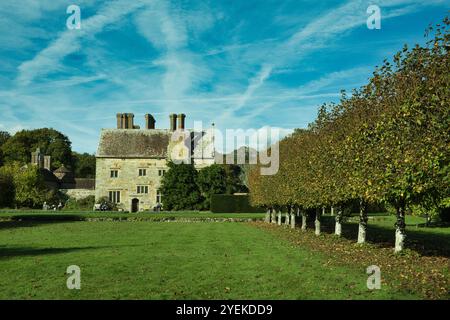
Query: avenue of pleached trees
[[388, 142]]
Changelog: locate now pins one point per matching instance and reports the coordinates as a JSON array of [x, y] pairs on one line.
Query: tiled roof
[[133, 143]]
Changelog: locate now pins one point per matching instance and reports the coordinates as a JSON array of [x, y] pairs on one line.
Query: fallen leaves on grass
[[427, 276]]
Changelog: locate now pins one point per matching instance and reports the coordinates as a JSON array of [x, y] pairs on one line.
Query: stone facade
[[131, 162]]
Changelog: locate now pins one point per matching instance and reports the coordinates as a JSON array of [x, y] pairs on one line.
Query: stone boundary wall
[[128, 219], [78, 193]]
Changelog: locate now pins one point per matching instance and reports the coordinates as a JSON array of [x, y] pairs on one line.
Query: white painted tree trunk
[[292, 221], [267, 218], [317, 223], [274, 219], [338, 228], [332, 211], [362, 228], [287, 217], [279, 218], [303, 221], [400, 226], [361, 233], [323, 211], [399, 240]]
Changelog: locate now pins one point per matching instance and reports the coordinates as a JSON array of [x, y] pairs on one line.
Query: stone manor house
[[131, 161]]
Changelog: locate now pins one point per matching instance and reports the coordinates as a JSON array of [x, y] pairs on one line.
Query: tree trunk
[[286, 217], [267, 218], [332, 211], [292, 220], [338, 222], [338, 228], [323, 211], [317, 222], [303, 220], [400, 226], [274, 213], [362, 229], [279, 218]]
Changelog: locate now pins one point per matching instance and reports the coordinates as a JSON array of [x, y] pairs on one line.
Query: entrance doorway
[[135, 205]]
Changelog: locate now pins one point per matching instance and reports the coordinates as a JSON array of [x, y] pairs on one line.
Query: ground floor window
[[158, 196], [114, 196], [142, 189]]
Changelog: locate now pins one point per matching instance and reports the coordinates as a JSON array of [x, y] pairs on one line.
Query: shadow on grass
[[12, 224], [12, 252], [426, 242]]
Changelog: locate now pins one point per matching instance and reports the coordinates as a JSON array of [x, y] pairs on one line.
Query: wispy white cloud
[[49, 59], [317, 35], [211, 61]]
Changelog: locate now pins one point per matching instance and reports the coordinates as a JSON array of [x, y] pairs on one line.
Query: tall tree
[[84, 165], [50, 141], [179, 188], [4, 136], [211, 180]]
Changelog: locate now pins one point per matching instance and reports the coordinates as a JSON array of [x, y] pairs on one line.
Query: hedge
[[224, 203]]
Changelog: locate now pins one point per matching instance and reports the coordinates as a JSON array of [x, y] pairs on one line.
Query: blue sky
[[239, 64]]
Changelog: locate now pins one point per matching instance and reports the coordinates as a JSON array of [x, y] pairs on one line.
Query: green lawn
[[179, 260], [83, 215]]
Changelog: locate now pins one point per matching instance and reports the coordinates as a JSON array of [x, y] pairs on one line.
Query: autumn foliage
[[387, 142]]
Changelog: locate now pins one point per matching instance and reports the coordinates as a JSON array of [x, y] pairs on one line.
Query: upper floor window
[[114, 173], [161, 172], [142, 172], [142, 189], [114, 196]]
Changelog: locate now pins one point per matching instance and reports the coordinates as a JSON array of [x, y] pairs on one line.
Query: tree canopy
[[179, 188], [51, 142], [388, 141]]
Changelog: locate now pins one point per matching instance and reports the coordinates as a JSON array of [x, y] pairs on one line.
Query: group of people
[[53, 207]]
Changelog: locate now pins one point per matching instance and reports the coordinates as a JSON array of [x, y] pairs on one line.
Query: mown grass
[[83, 215], [422, 268], [145, 260], [429, 241]]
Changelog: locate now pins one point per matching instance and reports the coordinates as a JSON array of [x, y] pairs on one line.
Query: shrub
[[85, 204], [110, 206], [6, 191]]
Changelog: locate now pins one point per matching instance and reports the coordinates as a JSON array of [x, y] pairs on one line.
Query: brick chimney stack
[[149, 121], [173, 122], [181, 118]]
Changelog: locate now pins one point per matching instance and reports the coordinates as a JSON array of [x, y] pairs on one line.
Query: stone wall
[[128, 179], [78, 193]]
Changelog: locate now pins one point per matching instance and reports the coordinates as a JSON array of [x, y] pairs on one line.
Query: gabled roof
[[62, 169], [133, 143], [48, 175]]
